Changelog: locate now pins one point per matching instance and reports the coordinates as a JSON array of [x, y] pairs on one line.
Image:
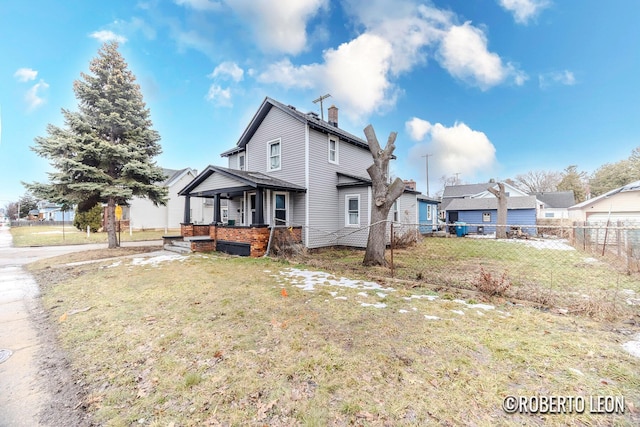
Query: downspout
[[306, 184]]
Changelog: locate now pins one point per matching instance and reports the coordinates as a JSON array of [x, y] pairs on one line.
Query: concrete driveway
[[23, 394]]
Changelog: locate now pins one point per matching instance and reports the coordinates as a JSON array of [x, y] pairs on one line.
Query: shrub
[[91, 218], [487, 284]]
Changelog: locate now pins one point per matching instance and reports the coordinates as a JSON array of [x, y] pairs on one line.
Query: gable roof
[[556, 199], [173, 175], [310, 119], [469, 204], [244, 178], [465, 190], [632, 186]]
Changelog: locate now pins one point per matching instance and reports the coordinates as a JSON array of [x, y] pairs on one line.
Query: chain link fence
[[588, 268]]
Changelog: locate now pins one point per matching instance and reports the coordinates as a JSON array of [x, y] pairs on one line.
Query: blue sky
[[488, 88]]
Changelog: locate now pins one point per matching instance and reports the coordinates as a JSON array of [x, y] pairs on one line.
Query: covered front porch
[[249, 209]]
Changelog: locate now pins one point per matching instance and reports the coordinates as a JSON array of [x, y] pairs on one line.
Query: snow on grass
[[376, 305], [428, 317], [156, 260], [308, 280], [633, 346]]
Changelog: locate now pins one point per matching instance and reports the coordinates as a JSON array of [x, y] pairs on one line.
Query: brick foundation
[[256, 236]]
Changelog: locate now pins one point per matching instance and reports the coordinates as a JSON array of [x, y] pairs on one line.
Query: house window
[[241, 162], [333, 150], [274, 155], [395, 211], [225, 214], [549, 215], [280, 209], [352, 203], [486, 216]]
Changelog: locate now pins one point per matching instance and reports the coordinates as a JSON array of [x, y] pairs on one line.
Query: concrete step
[[178, 249], [181, 244], [189, 239]]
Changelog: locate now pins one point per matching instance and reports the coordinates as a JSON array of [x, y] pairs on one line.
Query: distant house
[[428, 217], [48, 211], [555, 204], [476, 206], [291, 169], [141, 213], [621, 204]]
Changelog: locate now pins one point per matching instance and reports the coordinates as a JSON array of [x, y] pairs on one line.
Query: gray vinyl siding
[[278, 124], [407, 215], [215, 181], [324, 219], [349, 235], [233, 160]]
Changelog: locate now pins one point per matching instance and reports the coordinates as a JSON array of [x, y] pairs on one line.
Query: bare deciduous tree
[[501, 221], [384, 194], [539, 181]]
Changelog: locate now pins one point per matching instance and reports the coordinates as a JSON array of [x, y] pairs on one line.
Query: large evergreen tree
[[105, 151]]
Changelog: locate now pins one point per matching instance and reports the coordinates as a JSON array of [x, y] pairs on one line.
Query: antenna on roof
[[315, 101]]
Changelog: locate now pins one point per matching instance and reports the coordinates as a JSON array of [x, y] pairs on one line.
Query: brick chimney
[[333, 115], [409, 184]]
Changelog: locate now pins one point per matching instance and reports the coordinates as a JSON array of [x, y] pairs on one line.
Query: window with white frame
[[280, 208], [275, 157], [333, 150], [486, 216], [352, 204], [241, 162], [395, 211]]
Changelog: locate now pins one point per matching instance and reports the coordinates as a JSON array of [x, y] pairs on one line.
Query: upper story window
[[241, 162], [333, 150], [274, 155]]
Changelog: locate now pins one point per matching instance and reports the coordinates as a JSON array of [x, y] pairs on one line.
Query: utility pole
[[427, 157], [457, 175], [320, 99]]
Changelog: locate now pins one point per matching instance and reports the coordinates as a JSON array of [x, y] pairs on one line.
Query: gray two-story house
[[293, 169]]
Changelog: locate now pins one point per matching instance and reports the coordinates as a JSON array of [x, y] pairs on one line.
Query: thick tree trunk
[[377, 240], [501, 220], [384, 194], [112, 237]]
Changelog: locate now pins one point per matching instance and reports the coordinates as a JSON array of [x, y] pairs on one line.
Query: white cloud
[[107, 36], [279, 26], [219, 96], [200, 4], [464, 54], [456, 149], [34, 95], [524, 10], [25, 74], [565, 77], [228, 69], [356, 72]]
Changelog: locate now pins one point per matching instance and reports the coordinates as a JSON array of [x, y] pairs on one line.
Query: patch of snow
[[154, 261], [633, 301], [479, 306], [376, 305], [590, 260], [381, 295], [428, 297], [363, 294], [403, 311], [480, 313], [633, 347], [115, 264], [307, 280], [426, 316], [460, 312], [556, 244], [343, 298], [333, 293], [266, 271], [577, 371], [414, 309]]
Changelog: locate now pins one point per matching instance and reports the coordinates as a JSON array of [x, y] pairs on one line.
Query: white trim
[[267, 196], [306, 184], [244, 164], [347, 197], [337, 149], [286, 206], [269, 144], [224, 209]]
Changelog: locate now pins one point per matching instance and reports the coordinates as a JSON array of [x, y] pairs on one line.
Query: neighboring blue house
[[427, 214], [52, 212], [476, 206]]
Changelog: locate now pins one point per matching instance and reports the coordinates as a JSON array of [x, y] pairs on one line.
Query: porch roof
[[235, 181]]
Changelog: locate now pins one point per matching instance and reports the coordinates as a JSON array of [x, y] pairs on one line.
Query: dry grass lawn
[[217, 340], [46, 235]]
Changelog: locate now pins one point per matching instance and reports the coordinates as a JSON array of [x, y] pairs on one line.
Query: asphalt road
[[22, 392]]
